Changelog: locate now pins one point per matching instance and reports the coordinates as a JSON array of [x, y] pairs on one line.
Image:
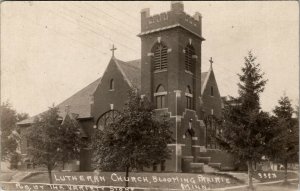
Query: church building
[[169, 74]]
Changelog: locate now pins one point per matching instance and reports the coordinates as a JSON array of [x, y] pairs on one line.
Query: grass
[[293, 186], [264, 175], [6, 176], [163, 184], [154, 180]]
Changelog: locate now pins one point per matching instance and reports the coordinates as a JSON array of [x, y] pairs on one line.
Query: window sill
[[160, 94], [159, 71], [189, 72], [189, 109], [159, 109], [188, 95]]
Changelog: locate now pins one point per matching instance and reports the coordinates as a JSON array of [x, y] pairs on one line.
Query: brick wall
[[212, 102], [103, 96]]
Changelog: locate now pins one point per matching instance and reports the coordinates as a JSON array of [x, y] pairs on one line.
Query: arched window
[[160, 97], [160, 59], [112, 84], [160, 88], [189, 60], [211, 91], [188, 95], [107, 118]]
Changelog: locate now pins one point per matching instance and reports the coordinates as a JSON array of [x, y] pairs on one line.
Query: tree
[[286, 142], [8, 125], [137, 139], [22, 116], [49, 141], [72, 139], [246, 129], [10, 138]]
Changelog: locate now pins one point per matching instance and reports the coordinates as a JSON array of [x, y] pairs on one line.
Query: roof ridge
[[205, 80], [117, 61], [138, 59], [62, 104], [127, 63]]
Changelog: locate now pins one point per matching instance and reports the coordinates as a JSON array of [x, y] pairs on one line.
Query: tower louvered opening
[[160, 57], [189, 61]]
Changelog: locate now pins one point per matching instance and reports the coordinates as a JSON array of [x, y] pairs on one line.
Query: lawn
[[6, 176], [142, 181], [164, 181], [267, 176], [293, 186]]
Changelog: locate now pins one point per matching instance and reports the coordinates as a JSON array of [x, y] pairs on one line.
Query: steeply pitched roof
[[131, 71], [203, 77], [79, 103]]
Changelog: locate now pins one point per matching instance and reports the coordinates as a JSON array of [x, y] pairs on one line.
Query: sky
[[51, 50]]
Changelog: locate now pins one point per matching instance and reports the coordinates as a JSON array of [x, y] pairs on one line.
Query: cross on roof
[[113, 50], [211, 61]]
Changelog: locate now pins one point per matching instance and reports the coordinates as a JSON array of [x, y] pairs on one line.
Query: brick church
[[169, 73]]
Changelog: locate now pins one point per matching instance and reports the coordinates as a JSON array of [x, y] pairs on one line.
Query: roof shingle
[[132, 71], [78, 103]]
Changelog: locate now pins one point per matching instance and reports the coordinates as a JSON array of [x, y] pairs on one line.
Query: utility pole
[[177, 95]]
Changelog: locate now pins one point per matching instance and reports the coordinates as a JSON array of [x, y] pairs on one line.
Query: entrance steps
[[196, 167], [204, 160], [209, 169], [215, 165]]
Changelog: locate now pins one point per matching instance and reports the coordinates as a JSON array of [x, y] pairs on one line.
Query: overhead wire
[[129, 25], [135, 50], [88, 27], [121, 11], [46, 26], [118, 31]]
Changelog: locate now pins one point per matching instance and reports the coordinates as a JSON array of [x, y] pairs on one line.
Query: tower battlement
[[175, 17]]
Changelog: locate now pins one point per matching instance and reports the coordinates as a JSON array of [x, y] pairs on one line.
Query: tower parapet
[[176, 17]]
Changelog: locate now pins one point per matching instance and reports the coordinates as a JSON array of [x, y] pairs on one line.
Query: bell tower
[[171, 76], [171, 58]]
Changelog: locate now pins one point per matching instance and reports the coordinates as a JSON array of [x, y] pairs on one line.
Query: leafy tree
[[137, 139], [72, 139], [8, 125], [49, 141], [10, 138], [22, 116], [286, 142], [246, 129]]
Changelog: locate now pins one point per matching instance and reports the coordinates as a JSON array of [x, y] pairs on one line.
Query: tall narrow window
[[211, 91], [160, 60], [112, 84], [189, 61], [160, 97], [188, 95]]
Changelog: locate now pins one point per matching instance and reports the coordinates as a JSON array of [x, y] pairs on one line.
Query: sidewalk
[[6, 173], [240, 175], [244, 187], [20, 175]]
